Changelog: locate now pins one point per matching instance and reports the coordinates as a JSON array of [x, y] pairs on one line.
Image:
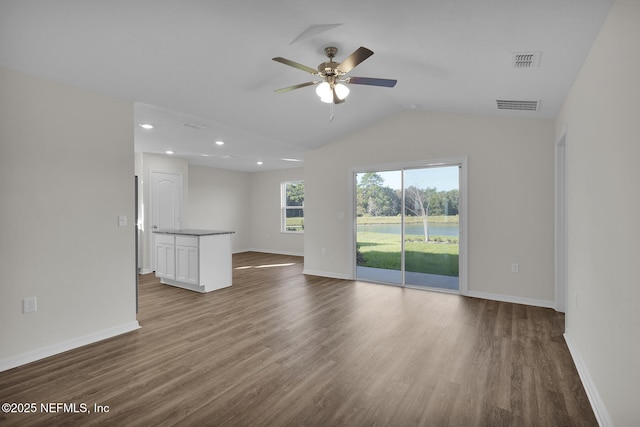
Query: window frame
[[284, 208]]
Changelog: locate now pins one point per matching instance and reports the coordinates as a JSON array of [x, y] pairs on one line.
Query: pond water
[[438, 229]]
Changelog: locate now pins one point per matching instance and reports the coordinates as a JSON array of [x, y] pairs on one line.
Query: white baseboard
[[239, 251], [329, 274], [483, 295], [41, 353], [270, 251], [512, 299], [145, 271], [599, 409]]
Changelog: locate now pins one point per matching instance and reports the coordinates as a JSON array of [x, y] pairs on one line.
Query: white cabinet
[[200, 263], [187, 262], [165, 257]]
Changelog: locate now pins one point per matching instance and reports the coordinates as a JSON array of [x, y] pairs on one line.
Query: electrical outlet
[[324, 252], [29, 305], [515, 268]]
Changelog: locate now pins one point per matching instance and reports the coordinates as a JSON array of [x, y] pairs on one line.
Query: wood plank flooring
[[282, 349]]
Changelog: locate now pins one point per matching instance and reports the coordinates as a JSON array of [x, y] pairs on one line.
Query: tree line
[[376, 199]]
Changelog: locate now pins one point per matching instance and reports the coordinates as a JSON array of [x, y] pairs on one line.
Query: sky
[[443, 178]]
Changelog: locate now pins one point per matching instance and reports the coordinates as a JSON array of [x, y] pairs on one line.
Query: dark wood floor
[[282, 349]]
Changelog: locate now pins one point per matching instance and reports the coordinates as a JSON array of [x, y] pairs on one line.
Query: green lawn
[[294, 224], [382, 250]]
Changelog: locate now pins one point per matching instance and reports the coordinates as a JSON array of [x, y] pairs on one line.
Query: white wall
[[510, 172], [66, 174], [603, 305], [220, 200], [266, 235]]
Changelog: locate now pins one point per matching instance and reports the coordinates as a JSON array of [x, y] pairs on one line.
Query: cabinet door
[[165, 261], [187, 264]]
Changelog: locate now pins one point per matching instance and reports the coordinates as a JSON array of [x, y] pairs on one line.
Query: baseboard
[[58, 348], [329, 274], [513, 299], [270, 251], [239, 251], [599, 409], [145, 271]]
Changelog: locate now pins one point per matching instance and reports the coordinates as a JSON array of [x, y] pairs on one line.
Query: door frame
[[560, 223], [463, 204]]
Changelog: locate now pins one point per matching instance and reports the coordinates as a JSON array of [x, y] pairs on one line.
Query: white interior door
[[166, 201], [166, 204]]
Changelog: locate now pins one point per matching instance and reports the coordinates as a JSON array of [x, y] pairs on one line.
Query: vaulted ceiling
[[202, 71]]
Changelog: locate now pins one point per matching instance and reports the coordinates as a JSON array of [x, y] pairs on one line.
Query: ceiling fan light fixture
[[326, 94], [342, 91]]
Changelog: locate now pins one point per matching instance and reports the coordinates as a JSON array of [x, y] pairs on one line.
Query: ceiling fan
[[331, 88]]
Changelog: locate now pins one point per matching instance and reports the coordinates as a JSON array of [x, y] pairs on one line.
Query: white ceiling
[[209, 63]]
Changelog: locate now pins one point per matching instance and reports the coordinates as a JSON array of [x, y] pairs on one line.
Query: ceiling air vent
[[195, 126], [517, 105], [525, 59]]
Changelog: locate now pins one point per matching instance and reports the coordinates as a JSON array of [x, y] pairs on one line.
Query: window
[[293, 207]]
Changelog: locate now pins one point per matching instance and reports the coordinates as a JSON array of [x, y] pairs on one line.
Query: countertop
[[193, 232]]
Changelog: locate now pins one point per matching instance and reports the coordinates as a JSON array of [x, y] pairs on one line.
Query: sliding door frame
[[462, 162]]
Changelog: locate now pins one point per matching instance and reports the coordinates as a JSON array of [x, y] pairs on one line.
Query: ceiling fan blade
[[354, 59], [372, 81], [298, 86], [296, 65]]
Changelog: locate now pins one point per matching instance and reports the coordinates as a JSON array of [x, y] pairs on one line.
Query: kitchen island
[[198, 260]]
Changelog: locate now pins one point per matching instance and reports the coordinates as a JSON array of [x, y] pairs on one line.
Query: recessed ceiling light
[[146, 126], [169, 152], [292, 160], [205, 155], [219, 142], [259, 163]]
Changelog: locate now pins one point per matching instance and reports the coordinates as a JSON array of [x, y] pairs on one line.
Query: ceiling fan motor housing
[[329, 68]]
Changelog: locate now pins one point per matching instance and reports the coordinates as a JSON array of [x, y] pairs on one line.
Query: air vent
[[525, 59], [195, 126], [517, 105]]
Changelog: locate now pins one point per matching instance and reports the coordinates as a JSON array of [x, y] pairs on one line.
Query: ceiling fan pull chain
[[331, 112]]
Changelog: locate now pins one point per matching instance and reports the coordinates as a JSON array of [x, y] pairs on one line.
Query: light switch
[[122, 221]]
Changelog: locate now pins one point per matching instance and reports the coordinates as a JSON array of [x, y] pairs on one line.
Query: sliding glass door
[[408, 226], [431, 227], [379, 230]]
